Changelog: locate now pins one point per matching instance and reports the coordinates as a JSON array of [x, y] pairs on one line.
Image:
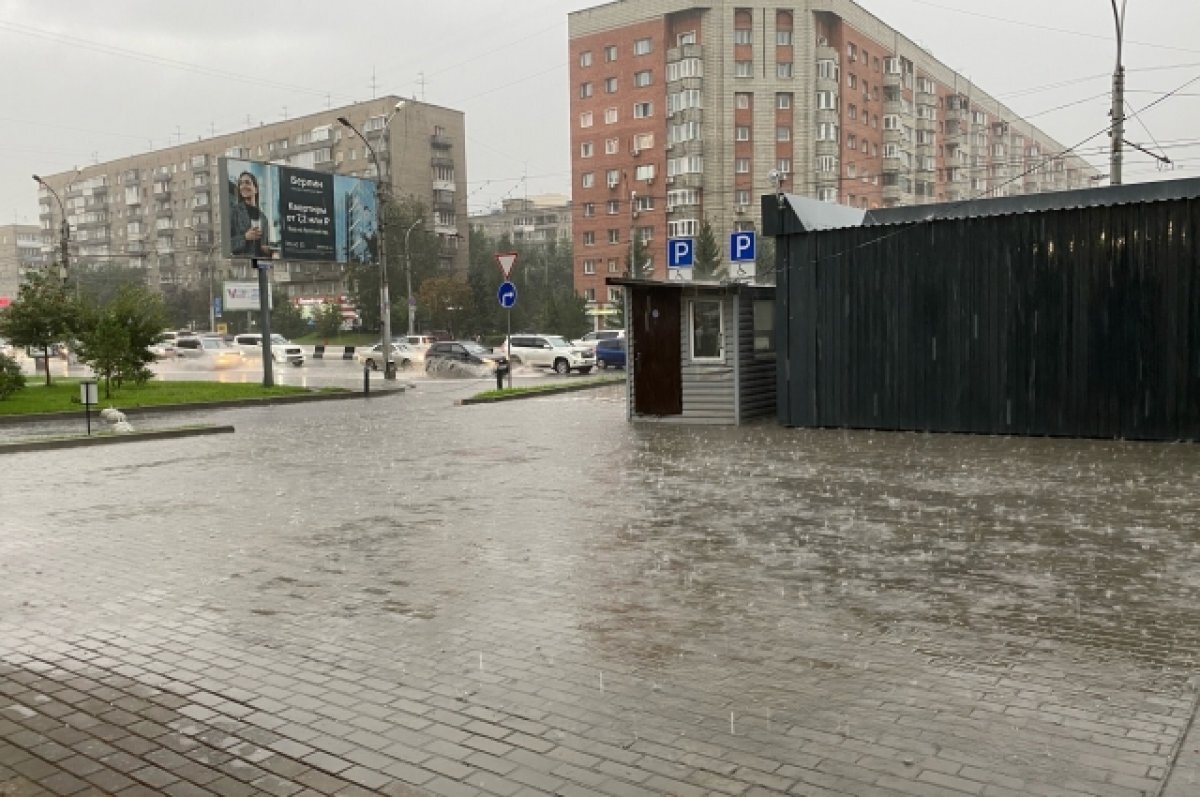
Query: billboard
[[240, 296], [281, 213]]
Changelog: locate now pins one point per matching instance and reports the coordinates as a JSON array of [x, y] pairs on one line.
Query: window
[[610, 116], [614, 295], [585, 58], [826, 163], [589, 209], [851, 141], [783, 134], [589, 294], [851, 111], [610, 53], [783, 38], [688, 67], [741, 165], [642, 110], [614, 207], [612, 146], [613, 177], [585, 119], [642, 47], [741, 197], [891, 121], [741, 133], [644, 203], [685, 38], [783, 101], [743, 36], [585, 90], [644, 172], [589, 238], [643, 141], [764, 327], [614, 236], [784, 165], [585, 149], [783, 69], [610, 85], [683, 228], [706, 330], [741, 100], [852, 81], [827, 69], [827, 100], [743, 69], [643, 78], [589, 267], [589, 179]]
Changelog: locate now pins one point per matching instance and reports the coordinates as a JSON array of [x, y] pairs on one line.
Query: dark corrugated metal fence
[[1082, 322]]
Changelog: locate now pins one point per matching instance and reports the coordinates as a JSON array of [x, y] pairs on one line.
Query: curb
[[110, 439], [550, 391], [132, 412]]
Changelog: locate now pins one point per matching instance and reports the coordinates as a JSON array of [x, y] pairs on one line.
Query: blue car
[[610, 353]]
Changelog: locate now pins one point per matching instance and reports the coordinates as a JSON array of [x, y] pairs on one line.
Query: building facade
[[20, 251], [682, 113], [531, 220], [160, 211]]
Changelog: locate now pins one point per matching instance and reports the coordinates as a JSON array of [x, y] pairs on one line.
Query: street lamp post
[[1118, 98], [382, 193], [64, 229], [408, 276]]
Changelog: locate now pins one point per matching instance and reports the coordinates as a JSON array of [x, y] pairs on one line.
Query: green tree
[[708, 254], [640, 255], [101, 285], [444, 299], [328, 320], [41, 316], [11, 378], [764, 261], [286, 318], [115, 339]]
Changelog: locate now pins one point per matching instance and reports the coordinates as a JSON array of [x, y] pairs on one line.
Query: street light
[[212, 267], [381, 197], [64, 230], [408, 275], [1118, 97]]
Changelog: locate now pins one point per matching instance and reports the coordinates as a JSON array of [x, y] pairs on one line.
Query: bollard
[[366, 380], [501, 372]]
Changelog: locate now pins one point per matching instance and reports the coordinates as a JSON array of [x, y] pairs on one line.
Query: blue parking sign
[[741, 246], [680, 252]]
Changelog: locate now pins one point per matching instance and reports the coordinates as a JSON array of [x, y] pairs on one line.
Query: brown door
[[657, 382]]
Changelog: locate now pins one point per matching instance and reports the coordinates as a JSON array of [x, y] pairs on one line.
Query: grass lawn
[[63, 395]]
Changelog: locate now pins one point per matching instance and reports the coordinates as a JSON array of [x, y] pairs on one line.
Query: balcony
[[440, 142], [442, 160], [444, 204], [686, 51], [94, 224]]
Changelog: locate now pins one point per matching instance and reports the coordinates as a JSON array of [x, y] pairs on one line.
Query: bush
[[11, 378]]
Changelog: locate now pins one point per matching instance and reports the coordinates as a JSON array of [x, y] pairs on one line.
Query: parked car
[[6, 348], [610, 353], [420, 342], [282, 350], [463, 352], [403, 355], [211, 350], [549, 351], [595, 336]]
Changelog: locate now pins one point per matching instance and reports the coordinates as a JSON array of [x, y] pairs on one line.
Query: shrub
[[11, 378]]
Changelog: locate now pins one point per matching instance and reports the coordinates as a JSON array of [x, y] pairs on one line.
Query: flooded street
[[536, 597]]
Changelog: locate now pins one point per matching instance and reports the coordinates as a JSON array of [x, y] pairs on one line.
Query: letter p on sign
[[741, 246]]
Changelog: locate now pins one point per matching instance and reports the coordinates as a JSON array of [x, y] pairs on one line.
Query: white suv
[[550, 351], [282, 350]]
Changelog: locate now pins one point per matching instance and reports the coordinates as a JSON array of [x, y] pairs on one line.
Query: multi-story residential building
[[680, 112], [20, 251], [161, 210], [531, 220]]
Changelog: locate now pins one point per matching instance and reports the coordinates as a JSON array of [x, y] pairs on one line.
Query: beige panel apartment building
[[681, 111], [161, 210], [538, 219], [20, 251]]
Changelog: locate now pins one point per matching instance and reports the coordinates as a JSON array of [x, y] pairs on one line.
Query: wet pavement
[[407, 597]]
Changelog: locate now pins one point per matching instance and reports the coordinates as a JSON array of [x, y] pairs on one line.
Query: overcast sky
[[88, 82]]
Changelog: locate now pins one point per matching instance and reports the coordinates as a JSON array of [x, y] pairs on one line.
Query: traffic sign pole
[[507, 296]]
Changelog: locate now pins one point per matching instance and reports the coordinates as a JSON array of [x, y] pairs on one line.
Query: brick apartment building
[[680, 112], [160, 210]]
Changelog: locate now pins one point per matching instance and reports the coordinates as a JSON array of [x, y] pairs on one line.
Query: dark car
[[610, 353], [447, 353]]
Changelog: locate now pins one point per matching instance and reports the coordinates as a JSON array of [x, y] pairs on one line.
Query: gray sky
[[94, 81]]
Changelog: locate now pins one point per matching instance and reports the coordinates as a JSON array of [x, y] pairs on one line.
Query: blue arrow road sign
[[680, 252], [741, 246], [507, 294]]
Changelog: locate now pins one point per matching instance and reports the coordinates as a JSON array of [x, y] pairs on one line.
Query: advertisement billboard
[[275, 212], [240, 296]]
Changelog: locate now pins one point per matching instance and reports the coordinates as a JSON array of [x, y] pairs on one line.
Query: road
[[404, 596]]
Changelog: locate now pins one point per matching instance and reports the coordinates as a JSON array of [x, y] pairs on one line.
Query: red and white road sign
[[506, 260]]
